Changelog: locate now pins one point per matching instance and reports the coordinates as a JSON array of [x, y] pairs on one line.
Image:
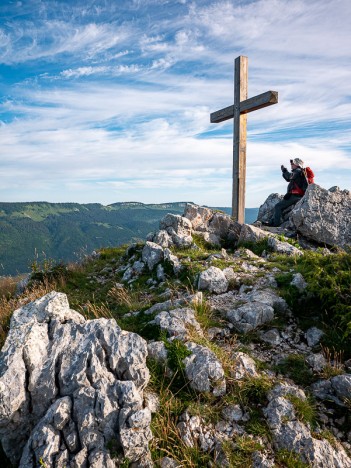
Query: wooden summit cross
[[241, 107]]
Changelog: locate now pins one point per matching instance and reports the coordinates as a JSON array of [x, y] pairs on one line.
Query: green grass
[[290, 459], [239, 452], [305, 410], [253, 390], [295, 367]]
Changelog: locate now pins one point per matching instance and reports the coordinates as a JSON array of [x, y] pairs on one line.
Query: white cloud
[[125, 114]]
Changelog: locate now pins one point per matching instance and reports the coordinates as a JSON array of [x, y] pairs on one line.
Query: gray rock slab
[[283, 247], [291, 434], [323, 216], [177, 322], [250, 316], [74, 378], [152, 254], [204, 371], [213, 279]]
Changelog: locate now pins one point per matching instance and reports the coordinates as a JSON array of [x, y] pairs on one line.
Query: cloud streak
[[106, 102]]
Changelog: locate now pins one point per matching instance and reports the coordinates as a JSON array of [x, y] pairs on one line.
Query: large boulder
[[179, 228], [199, 216], [251, 233], [324, 216], [69, 386], [293, 435], [152, 254], [266, 210]]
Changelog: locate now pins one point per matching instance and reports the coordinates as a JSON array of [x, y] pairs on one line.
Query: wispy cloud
[[108, 101]]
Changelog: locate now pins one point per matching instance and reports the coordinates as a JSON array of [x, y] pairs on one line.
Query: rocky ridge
[[81, 397], [321, 216]]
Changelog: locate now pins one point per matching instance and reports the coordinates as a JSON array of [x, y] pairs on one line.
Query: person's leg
[[280, 206]]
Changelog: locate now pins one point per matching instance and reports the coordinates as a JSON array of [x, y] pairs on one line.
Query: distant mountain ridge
[[64, 231]]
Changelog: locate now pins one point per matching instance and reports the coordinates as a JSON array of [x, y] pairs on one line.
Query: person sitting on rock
[[296, 189]]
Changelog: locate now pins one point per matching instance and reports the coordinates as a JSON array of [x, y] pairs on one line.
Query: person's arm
[[286, 174]]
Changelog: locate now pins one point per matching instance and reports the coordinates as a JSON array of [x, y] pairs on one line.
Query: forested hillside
[[65, 231]]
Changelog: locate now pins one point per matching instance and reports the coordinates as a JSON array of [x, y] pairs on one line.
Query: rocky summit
[[321, 216], [207, 345]]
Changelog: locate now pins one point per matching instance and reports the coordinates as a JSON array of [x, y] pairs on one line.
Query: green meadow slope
[[66, 231]]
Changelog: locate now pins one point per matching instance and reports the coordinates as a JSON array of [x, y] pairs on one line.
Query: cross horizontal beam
[[249, 105]]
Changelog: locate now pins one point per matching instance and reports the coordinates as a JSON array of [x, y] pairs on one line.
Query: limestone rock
[[271, 336], [152, 254], [204, 371], [283, 247], [74, 380], [209, 237], [316, 361], [299, 282], [313, 336], [269, 297], [168, 462], [176, 322], [213, 280], [173, 260], [291, 434], [251, 233], [323, 216], [244, 366], [232, 413], [342, 385], [162, 238], [179, 228], [158, 351], [250, 316], [266, 211], [199, 216]]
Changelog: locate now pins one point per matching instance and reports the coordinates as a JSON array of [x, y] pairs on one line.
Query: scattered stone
[[213, 280], [251, 233], [271, 337], [199, 216], [232, 413], [299, 282], [179, 228], [341, 384], [174, 261], [316, 361], [168, 462], [291, 434], [244, 366], [163, 239], [266, 211], [204, 371], [176, 322], [152, 401], [158, 351], [160, 273], [313, 336], [250, 316], [283, 247]]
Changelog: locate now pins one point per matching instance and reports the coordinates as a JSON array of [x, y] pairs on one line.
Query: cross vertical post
[[242, 106], [239, 139]]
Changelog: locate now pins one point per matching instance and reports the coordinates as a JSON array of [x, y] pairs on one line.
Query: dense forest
[[37, 231]]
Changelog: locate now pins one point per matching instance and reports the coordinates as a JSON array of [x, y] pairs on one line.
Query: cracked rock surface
[[69, 386]]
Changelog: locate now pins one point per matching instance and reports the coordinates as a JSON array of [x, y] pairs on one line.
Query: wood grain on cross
[[242, 106]]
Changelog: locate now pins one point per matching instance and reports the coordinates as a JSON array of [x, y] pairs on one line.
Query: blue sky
[[109, 100]]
